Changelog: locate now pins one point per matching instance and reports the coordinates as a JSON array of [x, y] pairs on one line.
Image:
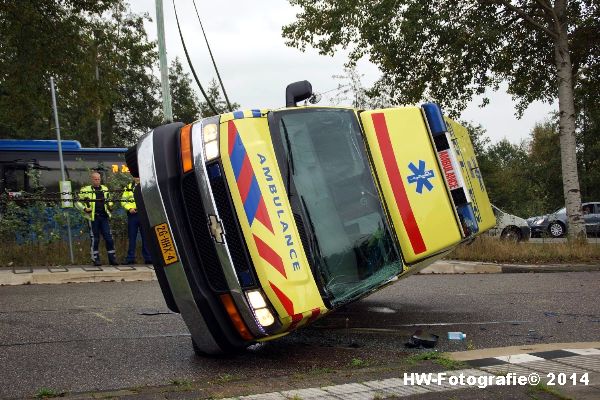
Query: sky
[[256, 65]]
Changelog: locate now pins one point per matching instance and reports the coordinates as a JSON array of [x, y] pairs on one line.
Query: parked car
[[556, 224], [509, 227]]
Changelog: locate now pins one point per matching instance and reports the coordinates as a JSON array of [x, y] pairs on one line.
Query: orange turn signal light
[[235, 316], [186, 148]]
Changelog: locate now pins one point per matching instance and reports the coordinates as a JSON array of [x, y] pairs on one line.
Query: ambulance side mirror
[[297, 91]]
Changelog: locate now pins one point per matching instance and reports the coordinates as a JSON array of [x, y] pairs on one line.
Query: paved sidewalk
[[127, 273], [570, 371]]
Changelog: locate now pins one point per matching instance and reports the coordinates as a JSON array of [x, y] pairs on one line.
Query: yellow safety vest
[[127, 198], [88, 193]]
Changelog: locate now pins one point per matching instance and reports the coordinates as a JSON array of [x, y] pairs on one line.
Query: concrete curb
[[460, 267], [57, 275], [469, 267]]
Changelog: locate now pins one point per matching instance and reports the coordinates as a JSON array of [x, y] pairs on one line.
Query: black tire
[[511, 234], [197, 350], [222, 354], [132, 162], [556, 229]]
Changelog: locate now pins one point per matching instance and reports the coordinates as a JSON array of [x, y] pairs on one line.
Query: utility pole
[[98, 125], [164, 69], [65, 186]]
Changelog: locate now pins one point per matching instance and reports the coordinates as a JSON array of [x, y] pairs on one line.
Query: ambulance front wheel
[[197, 350]]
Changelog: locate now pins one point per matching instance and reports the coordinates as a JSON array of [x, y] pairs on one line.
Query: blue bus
[[27, 165]]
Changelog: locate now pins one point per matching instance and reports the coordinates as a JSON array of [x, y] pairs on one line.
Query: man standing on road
[[94, 201], [133, 224]]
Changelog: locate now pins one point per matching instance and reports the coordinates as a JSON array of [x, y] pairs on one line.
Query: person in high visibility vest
[[133, 224], [94, 202]]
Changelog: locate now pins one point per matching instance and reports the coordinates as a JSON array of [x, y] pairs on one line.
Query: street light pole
[[164, 69], [62, 164]]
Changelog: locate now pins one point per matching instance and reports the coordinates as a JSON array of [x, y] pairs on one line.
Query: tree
[[545, 174], [68, 40], [448, 51], [40, 38], [352, 90], [186, 106], [127, 89], [508, 183], [214, 95], [587, 97]]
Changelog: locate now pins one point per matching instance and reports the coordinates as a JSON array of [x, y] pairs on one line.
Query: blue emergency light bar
[[433, 113], [52, 145]]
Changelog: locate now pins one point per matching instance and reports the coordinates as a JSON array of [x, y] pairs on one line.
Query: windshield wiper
[[289, 158]]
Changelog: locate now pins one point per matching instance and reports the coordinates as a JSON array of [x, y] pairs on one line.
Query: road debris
[[422, 339], [457, 336]]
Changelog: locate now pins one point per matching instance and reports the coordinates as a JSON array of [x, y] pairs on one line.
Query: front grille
[[198, 226], [233, 234]]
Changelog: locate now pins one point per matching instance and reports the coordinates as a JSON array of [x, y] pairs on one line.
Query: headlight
[[256, 299], [260, 308], [264, 317], [210, 136], [211, 150]]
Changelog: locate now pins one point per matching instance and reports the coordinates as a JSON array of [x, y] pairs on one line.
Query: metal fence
[[33, 230]]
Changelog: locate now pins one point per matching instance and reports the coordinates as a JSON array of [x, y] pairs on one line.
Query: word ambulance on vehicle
[[262, 221]]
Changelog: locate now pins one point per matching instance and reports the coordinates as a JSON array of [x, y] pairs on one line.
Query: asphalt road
[[86, 337]]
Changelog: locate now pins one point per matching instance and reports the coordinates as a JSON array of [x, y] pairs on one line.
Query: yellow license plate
[[167, 247]]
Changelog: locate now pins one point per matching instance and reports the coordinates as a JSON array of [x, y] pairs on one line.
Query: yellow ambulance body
[[277, 217]]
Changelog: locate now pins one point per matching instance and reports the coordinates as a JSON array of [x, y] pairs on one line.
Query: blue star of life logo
[[420, 176]]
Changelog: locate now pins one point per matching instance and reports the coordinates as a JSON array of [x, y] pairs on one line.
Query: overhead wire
[[187, 56], [212, 58]]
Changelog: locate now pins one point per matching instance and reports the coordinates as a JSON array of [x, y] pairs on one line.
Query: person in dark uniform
[[133, 224], [94, 202]]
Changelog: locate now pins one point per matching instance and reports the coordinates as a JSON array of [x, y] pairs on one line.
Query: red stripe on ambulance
[[315, 312], [269, 255], [296, 319], [389, 159], [285, 301], [262, 215]]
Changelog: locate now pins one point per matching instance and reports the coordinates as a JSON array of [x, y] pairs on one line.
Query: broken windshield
[[349, 238]]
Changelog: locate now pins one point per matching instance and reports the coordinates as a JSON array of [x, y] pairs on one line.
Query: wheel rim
[[556, 230], [511, 236]]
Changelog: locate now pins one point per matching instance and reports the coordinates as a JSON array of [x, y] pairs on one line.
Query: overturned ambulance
[[262, 221]]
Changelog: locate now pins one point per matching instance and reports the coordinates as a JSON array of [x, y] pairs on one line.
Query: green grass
[[541, 387], [491, 249], [46, 393], [226, 378], [436, 357], [320, 371], [57, 253], [358, 363], [182, 384]]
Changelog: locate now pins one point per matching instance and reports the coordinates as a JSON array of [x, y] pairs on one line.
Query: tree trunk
[[566, 107]]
